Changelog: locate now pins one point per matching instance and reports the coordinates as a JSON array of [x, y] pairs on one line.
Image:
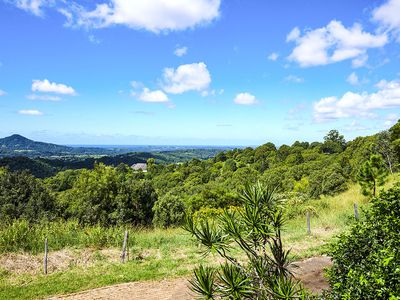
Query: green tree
[[109, 196], [230, 165], [24, 196], [385, 148], [372, 174], [169, 211], [256, 229], [334, 142], [366, 259]]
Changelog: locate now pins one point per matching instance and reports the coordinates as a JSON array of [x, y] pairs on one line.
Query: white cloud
[[293, 35], [151, 15], [30, 112], [137, 84], [358, 104], [45, 86], [294, 78], [390, 120], [388, 14], [212, 93], [2, 93], [93, 39], [360, 61], [180, 51], [332, 43], [273, 56], [32, 6], [43, 97], [245, 99], [353, 79], [355, 126], [157, 96], [190, 77]]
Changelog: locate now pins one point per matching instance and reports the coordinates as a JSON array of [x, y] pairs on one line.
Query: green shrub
[[367, 259], [168, 211], [24, 196]]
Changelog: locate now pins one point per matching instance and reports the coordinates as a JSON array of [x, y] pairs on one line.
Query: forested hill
[[17, 145], [42, 167]]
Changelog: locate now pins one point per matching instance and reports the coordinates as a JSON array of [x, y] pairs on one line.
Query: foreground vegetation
[[154, 253], [78, 209], [366, 259]]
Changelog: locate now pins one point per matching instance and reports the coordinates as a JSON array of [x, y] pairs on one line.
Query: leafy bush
[[24, 196], [367, 259], [109, 196], [168, 211]]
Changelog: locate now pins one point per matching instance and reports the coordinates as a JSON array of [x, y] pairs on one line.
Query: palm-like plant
[[256, 229]]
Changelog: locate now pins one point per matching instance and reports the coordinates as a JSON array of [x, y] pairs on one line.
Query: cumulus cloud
[[2, 93], [151, 15], [388, 15], [45, 86], [294, 78], [273, 56], [43, 97], [358, 104], [332, 43], [33, 6], [390, 120], [157, 96], [189, 77], [30, 112], [180, 51], [245, 99], [353, 79]]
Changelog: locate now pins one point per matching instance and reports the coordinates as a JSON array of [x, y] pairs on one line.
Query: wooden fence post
[[45, 256], [124, 245], [308, 223], [356, 211]]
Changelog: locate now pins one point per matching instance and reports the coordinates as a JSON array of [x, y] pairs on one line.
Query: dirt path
[[176, 289], [309, 271]]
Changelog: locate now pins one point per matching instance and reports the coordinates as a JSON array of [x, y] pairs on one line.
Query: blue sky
[[237, 72]]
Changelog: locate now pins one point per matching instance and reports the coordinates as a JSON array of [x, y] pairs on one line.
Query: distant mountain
[[17, 145], [44, 159]]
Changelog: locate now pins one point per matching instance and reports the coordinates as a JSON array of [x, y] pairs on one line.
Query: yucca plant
[[256, 229]]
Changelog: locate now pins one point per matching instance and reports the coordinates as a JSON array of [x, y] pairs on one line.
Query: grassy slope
[[168, 253]]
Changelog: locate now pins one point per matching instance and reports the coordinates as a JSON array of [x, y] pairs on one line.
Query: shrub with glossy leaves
[[366, 260]]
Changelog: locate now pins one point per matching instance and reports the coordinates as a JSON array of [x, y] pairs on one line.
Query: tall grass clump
[[20, 235]]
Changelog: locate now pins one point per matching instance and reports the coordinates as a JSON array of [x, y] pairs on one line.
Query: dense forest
[[113, 193], [43, 167]]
